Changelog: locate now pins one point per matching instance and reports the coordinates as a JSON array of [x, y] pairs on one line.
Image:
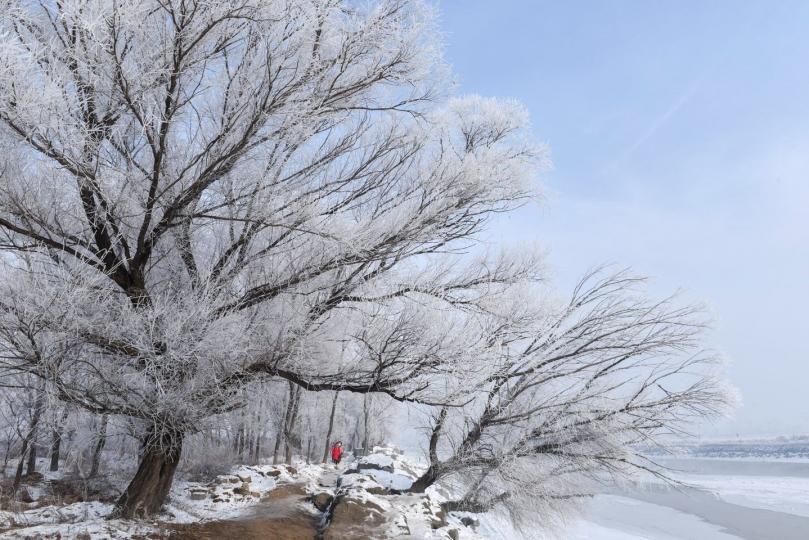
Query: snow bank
[[221, 497], [82, 519], [72, 513]]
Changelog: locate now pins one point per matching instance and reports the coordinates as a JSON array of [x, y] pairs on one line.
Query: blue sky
[[679, 133]]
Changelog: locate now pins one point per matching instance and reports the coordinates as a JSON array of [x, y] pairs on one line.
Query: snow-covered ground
[[726, 499]]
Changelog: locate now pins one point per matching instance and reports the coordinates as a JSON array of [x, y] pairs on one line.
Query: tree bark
[[6, 455], [331, 425], [431, 474], [471, 504], [282, 426], [425, 480], [291, 440], [30, 439], [365, 424], [276, 449], [32, 455], [257, 448], [56, 441], [240, 436], [102, 441], [148, 490]]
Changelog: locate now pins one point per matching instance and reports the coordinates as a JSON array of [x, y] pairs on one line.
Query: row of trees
[[198, 197], [34, 425]]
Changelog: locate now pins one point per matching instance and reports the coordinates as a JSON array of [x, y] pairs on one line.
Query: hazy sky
[[679, 133]]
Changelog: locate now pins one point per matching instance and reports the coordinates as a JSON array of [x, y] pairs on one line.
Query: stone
[[377, 490], [23, 495], [439, 520], [366, 464], [469, 522], [292, 470], [199, 494], [245, 478], [243, 490], [275, 473], [454, 534], [227, 479], [322, 501]]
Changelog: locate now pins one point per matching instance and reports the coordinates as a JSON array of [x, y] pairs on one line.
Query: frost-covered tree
[[573, 394], [199, 194]]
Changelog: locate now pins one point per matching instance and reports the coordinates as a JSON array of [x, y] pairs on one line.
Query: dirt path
[[280, 516]]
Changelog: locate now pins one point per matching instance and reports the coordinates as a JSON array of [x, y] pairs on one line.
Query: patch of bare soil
[[303, 527], [280, 516]]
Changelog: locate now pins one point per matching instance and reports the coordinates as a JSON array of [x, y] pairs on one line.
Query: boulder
[[292, 470], [243, 490], [454, 534], [356, 519], [322, 501], [379, 462], [275, 473], [245, 478]]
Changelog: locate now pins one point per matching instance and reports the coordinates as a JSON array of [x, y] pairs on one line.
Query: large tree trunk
[[331, 425], [425, 480], [431, 474], [148, 490], [102, 441]]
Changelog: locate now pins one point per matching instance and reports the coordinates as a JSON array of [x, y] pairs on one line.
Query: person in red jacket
[[337, 452]]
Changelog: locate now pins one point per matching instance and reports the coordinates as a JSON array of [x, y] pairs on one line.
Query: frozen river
[[729, 499]]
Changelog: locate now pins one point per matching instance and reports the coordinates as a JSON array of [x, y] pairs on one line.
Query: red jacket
[[336, 452]]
